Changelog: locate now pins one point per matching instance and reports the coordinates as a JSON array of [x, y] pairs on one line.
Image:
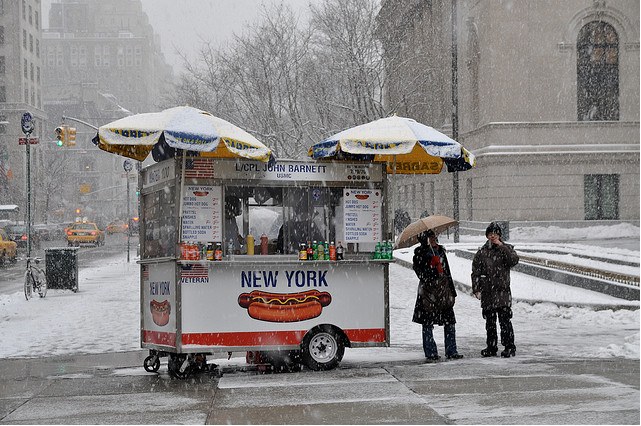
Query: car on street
[[8, 249], [85, 233], [117, 227], [17, 233]]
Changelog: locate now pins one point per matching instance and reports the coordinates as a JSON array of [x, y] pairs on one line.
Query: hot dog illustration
[[284, 307], [160, 311]]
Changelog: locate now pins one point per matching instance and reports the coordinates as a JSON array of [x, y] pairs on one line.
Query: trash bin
[[62, 268], [505, 228]]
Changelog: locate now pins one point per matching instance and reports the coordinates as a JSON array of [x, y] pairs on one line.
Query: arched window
[[597, 72]]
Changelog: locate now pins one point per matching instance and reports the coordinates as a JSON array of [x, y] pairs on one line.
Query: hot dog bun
[[284, 307]]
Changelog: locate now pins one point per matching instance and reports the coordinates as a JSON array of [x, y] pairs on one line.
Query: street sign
[[32, 141], [127, 165], [27, 123]]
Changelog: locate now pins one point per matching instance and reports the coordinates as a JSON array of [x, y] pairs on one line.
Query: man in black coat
[[491, 283], [430, 264]]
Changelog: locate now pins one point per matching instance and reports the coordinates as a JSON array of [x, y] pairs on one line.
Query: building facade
[[102, 61], [21, 78], [548, 101]]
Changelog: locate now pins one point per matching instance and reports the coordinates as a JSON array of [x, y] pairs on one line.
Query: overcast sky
[[184, 25]]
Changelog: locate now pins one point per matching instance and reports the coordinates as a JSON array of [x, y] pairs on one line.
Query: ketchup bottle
[[264, 241]]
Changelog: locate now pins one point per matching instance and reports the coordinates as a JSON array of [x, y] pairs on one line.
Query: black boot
[[509, 351], [487, 352]]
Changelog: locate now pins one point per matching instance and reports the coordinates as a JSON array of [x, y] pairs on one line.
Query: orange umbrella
[[436, 223]]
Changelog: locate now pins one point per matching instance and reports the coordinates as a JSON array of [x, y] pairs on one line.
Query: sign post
[[27, 128], [127, 165]]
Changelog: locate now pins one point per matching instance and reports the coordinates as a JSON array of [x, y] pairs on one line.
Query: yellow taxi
[[85, 233], [117, 227], [8, 249]]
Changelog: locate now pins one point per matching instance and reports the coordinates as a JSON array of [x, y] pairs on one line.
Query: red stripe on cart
[[159, 338], [267, 338]]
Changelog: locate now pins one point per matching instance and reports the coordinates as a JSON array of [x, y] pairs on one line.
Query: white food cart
[[270, 303]]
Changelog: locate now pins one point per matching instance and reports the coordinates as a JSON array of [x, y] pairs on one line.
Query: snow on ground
[[104, 316]]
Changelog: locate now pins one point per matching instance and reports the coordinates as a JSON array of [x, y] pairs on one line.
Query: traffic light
[[61, 135], [71, 136]]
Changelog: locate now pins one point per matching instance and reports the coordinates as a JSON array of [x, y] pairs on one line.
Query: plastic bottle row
[[319, 250]]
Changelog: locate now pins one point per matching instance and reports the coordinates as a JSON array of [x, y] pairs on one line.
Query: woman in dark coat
[[430, 262], [491, 283]]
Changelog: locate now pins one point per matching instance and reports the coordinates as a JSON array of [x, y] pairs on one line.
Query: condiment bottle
[[332, 251], [310, 251], [250, 244], [264, 244]]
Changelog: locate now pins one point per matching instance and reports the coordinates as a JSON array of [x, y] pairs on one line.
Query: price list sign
[[202, 214], [362, 215]]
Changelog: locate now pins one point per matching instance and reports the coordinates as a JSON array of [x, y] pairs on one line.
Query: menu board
[[362, 215], [202, 214]]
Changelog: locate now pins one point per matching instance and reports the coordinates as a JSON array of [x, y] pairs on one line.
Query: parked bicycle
[[35, 280]]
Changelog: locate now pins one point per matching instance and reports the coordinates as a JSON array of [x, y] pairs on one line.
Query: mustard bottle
[[250, 244]]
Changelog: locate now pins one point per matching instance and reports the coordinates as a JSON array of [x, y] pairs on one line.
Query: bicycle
[[35, 279]]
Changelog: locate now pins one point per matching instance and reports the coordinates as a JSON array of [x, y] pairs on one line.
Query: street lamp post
[[27, 128], [455, 180]]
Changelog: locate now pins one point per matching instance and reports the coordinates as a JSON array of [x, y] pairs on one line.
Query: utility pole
[[455, 181]]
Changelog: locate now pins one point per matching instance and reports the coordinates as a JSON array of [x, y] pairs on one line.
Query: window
[[30, 13], [3, 120], [37, 20], [1, 34], [26, 69], [601, 197], [38, 75], [24, 9], [2, 65], [24, 39], [26, 95], [32, 74], [3, 94], [597, 72], [37, 48], [31, 43]]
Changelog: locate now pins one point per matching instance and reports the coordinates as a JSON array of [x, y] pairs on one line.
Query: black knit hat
[[493, 228]]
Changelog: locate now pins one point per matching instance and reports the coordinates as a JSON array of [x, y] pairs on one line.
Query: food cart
[[226, 262]]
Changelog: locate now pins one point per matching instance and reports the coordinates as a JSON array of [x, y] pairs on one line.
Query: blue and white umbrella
[[183, 127], [408, 147]]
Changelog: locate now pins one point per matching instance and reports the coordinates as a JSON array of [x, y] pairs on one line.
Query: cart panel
[[259, 304], [158, 311]]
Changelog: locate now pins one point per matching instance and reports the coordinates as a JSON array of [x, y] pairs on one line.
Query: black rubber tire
[[173, 366], [151, 364], [322, 349]]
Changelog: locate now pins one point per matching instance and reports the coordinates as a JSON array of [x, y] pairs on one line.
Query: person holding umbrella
[[436, 295], [491, 283]]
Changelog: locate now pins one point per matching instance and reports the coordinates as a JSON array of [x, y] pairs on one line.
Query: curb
[[594, 306]]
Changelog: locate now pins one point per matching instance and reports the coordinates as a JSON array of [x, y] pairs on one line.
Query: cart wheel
[[151, 364], [179, 366], [322, 348]]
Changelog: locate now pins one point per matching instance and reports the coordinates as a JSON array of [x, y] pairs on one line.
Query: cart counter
[[266, 302]]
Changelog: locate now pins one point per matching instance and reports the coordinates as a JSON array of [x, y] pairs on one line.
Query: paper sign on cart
[[362, 215], [202, 213]]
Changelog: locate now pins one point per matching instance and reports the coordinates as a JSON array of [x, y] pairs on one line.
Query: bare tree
[[293, 86]]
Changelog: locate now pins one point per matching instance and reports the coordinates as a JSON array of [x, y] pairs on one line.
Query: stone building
[[102, 61], [20, 91], [548, 101]]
